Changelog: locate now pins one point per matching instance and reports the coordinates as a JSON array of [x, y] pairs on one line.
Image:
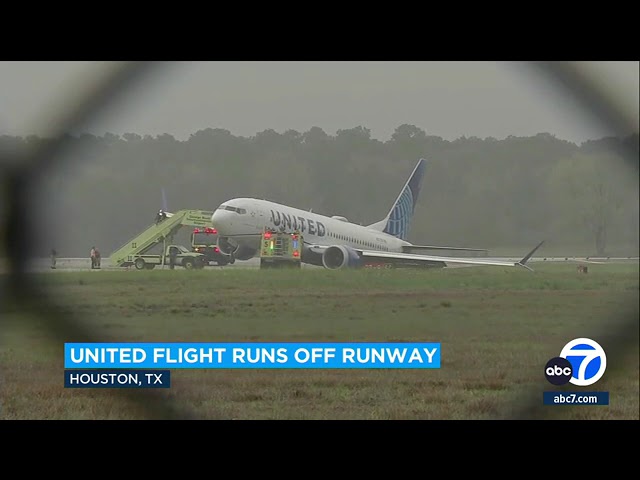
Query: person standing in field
[[98, 258]]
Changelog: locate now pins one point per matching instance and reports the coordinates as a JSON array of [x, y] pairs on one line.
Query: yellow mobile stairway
[[159, 233]]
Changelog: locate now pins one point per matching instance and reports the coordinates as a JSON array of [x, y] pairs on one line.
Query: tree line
[[476, 192]]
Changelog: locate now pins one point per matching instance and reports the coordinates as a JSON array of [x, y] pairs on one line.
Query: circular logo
[[558, 371], [588, 360]]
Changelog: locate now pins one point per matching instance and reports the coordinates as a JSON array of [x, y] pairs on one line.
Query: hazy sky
[[447, 99]]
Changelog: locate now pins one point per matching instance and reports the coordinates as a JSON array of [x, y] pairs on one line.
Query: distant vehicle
[[183, 258], [205, 241]]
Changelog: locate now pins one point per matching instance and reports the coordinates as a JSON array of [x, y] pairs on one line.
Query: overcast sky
[[447, 99]]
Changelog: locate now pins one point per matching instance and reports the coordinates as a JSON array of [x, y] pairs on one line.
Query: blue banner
[[251, 355], [101, 378], [575, 398]]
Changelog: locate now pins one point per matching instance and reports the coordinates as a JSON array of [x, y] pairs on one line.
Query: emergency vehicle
[[280, 249], [205, 240]]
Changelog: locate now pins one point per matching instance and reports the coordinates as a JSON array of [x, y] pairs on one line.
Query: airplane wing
[[431, 260]]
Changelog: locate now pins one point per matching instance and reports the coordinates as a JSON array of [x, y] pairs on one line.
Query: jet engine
[[341, 256], [233, 249]]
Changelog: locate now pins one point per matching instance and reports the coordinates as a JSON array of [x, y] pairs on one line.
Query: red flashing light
[[196, 230], [267, 235], [216, 249], [295, 254], [210, 230]]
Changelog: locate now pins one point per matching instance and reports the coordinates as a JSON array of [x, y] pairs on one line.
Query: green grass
[[498, 327]]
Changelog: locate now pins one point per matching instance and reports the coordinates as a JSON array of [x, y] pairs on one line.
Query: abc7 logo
[[581, 362], [558, 371]]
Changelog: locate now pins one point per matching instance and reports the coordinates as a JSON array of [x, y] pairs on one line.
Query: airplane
[[334, 242]]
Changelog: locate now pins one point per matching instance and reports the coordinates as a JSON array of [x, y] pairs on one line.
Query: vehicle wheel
[[139, 263], [188, 263], [232, 259], [149, 266]]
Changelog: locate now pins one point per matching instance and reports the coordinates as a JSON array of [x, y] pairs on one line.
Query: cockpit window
[[241, 211]]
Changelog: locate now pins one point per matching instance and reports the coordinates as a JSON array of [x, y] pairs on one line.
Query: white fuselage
[[244, 219]]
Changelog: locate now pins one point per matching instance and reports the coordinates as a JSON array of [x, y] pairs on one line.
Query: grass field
[[498, 328]]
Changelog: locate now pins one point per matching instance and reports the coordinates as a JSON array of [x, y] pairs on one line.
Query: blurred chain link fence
[[18, 293]]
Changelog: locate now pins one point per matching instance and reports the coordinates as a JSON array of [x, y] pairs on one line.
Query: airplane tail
[[165, 207], [398, 220]]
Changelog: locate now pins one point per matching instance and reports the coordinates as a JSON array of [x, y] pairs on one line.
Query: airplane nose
[[221, 221]]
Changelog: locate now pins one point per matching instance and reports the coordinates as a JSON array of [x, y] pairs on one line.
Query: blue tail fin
[[398, 220]]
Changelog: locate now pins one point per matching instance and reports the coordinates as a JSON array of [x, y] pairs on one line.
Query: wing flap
[[418, 248]]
